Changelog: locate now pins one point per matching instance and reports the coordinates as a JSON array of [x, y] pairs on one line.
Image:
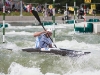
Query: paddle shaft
[[38, 18]]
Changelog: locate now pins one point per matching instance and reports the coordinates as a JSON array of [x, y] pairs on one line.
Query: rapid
[[13, 61]]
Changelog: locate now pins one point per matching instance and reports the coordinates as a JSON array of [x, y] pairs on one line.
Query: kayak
[[60, 51], [63, 52]]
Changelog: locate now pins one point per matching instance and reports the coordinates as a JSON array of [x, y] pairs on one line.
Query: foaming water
[[19, 33], [76, 45], [95, 72], [17, 69], [15, 62], [11, 46], [52, 65]]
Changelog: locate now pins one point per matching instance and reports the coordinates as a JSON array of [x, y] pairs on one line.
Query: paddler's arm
[[38, 33]]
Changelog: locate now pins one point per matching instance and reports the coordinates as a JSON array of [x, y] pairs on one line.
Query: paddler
[[43, 39]]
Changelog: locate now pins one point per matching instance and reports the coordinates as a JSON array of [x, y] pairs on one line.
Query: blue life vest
[[42, 41]]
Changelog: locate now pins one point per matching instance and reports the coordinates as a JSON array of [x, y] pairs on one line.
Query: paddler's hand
[[46, 32]]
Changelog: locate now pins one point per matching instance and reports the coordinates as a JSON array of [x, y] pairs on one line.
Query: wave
[[19, 33]]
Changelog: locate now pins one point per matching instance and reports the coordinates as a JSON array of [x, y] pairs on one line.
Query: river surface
[[16, 62]]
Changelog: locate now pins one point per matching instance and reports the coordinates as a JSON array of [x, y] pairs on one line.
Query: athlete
[[43, 39]]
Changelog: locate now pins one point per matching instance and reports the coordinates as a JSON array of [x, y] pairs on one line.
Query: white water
[[22, 37], [17, 69]]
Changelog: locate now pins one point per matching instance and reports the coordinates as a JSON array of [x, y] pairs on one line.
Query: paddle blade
[[36, 16]]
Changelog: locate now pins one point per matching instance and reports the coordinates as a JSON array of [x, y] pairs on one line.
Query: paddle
[[38, 18]]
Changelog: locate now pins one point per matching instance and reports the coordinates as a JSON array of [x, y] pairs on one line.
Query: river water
[[16, 62]]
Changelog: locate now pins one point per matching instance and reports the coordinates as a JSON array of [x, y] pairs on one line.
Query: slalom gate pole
[[21, 8], [74, 14], [84, 16], [3, 21], [53, 20]]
